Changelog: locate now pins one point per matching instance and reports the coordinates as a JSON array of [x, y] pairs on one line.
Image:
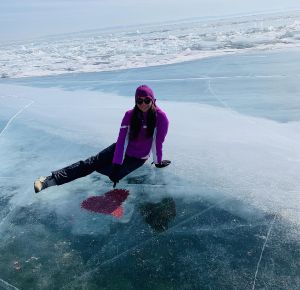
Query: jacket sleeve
[[122, 141], [159, 136]]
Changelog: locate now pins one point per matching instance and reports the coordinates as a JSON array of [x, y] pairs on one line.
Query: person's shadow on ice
[[158, 215]]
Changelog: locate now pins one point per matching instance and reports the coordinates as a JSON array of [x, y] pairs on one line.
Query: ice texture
[[223, 215]]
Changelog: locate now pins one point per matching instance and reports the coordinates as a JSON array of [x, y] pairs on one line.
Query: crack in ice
[[14, 116], [183, 79], [7, 286], [216, 97], [262, 251]]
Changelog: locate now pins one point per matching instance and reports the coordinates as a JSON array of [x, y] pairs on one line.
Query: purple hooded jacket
[[142, 145]]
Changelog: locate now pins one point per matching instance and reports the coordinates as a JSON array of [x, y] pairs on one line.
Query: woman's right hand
[[114, 175]]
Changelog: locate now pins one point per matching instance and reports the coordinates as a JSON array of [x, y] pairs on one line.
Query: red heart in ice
[[109, 203]]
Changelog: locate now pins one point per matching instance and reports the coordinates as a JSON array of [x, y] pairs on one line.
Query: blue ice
[[234, 143]]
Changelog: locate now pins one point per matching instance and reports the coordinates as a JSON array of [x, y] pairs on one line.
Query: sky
[[27, 19]]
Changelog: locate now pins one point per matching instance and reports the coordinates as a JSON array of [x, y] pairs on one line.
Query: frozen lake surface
[[224, 215], [148, 45]]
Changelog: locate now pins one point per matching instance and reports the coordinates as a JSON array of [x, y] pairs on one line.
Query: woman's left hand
[[163, 163]]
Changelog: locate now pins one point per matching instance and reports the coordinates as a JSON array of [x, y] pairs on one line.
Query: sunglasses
[[140, 101]]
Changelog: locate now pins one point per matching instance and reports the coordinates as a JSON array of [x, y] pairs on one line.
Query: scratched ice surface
[[224, 215]]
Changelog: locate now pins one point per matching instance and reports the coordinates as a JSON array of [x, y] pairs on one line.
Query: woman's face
[[144, 103]]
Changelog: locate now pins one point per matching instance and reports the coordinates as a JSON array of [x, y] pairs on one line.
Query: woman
[[143, 129]]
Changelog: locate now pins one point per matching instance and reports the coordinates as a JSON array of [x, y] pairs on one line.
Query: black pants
[[102, 163]]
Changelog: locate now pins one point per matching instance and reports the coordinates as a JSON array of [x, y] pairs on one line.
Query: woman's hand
[[163, 163], [114, 175]]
